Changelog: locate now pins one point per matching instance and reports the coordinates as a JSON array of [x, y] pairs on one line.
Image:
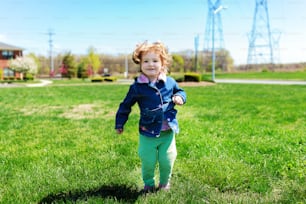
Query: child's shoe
[[149, 189], [165, 187]]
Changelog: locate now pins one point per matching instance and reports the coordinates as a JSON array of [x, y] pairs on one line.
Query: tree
[[68, 68], [23, 65], [224, 62], [177, 63], [82, 71], [92, 61], [36, 60]]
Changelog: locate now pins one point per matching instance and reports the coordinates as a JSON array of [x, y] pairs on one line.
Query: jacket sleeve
[[177, 91], [125, 108]]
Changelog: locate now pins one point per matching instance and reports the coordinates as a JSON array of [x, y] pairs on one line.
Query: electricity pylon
[[215, 27], [261, 44], [214, 32]]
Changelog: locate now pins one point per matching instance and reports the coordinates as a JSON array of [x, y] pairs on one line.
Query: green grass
[[299, 75], [238, 144], [291, 75]]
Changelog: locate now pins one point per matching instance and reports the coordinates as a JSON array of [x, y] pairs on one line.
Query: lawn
[[238, 144], [298, 75]]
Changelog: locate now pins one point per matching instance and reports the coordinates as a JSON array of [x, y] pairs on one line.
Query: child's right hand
[[178, 100], [119, 131]]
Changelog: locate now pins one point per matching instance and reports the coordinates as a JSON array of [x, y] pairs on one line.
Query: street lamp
[[215, 11]]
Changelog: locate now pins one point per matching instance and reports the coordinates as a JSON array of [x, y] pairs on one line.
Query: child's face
[[151, 65]]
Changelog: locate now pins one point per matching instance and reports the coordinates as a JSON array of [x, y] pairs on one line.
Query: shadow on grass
[[116, 192]]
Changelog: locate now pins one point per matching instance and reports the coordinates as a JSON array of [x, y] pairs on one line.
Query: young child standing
[[156, 95]]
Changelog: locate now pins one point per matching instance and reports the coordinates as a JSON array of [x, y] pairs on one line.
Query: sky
[[116, 26]]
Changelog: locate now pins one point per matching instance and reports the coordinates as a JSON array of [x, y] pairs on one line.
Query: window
[[7, 54], [7, 72]]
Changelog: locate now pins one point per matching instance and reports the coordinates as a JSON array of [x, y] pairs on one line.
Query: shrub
[[178, 77], [97, 79], [110, 78], [28, 77], [9, 78], [194, 77]]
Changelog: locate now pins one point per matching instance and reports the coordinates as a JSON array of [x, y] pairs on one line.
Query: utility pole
[[50, 33]]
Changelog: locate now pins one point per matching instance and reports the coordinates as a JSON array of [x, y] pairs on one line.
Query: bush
[[10, 78], [110, 78], [97, 79], [178, 77], [28, 77], [101, 79], [194, 77]]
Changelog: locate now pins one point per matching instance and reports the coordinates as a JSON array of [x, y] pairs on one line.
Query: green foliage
[[223, 61], [37, 62], [28, 76], [177, 63], [179, 77], [69, 66], [237, 144], [81, 70], [110, 78], [192, 77], [93, 60], [10, 78], [97, 78], [264, 69]]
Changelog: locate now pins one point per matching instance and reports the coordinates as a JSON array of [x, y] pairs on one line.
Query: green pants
[[161, 149]]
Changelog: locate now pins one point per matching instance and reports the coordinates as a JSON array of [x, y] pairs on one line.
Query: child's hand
[[119, 131], [177, 100]]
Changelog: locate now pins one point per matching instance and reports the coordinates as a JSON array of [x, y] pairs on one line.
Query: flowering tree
[[24, 65]]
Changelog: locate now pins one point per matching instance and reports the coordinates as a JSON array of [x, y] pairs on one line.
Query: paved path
[[250, 81], [43, 82]]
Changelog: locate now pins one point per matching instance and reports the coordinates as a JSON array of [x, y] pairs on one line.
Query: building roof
[[4, 46]]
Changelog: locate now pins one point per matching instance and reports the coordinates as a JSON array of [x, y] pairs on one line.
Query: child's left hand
[[177, 100]]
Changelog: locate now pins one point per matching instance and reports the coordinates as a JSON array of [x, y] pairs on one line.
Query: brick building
[[8, 52]]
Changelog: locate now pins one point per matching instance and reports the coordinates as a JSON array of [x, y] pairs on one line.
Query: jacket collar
[[142, 79]]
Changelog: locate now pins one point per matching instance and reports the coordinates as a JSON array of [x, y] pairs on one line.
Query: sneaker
[[165, 187], [149, 189]]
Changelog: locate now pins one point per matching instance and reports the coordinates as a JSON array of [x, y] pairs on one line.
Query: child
[[156, 95]]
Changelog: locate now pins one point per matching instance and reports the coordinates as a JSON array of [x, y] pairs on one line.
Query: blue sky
[[116, 26]]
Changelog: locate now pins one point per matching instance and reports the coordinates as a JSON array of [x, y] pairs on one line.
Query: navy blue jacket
[[155, 104]]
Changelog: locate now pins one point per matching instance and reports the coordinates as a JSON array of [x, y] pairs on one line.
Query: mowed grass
[[297, 75], [238, 144]]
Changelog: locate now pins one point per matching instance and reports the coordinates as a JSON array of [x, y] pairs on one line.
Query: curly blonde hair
[[156, 47]]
